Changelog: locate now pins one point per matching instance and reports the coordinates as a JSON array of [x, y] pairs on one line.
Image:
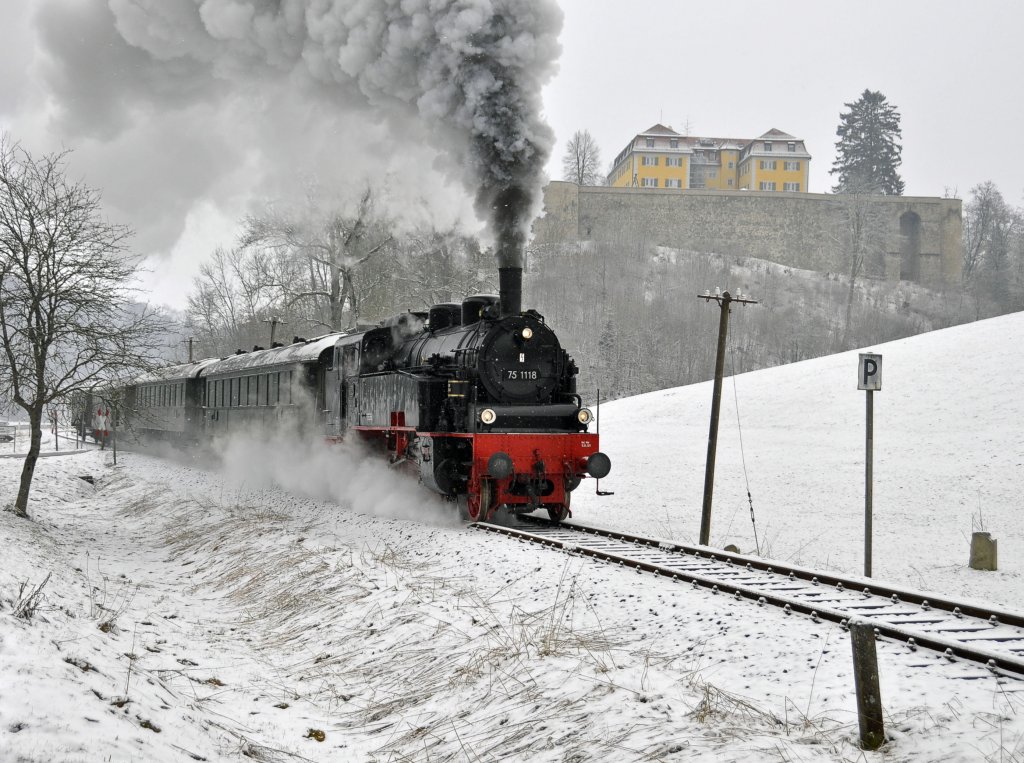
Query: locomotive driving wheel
[[560, 512], [478, 508]]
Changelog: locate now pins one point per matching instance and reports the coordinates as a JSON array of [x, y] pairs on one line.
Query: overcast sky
[[952, 69], [182, 163]]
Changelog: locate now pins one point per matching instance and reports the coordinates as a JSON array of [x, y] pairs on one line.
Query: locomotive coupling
[[598, 465]]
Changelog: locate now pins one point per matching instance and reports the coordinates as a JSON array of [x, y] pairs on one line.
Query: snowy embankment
[[948, 459], [312, 605]]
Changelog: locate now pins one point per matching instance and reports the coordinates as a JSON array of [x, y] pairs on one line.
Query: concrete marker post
[[865, 678]]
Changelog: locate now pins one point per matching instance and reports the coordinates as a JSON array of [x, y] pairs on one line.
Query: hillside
[[629, 312], [949, 457], [304, 603]]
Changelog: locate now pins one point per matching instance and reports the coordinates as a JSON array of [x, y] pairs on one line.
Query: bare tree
[[334, 250], [235, 291], [993, 246], [863, 239], [435, 267], [581, 163], [67, 322]]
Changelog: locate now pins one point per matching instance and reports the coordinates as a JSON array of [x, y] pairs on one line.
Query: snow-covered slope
[[310, 605], [948, 457]]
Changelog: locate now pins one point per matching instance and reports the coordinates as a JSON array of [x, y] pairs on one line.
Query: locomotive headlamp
[[584, 416], [527, 333], [488, 416]]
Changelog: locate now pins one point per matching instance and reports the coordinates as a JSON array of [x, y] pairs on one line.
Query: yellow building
[[662, 158]]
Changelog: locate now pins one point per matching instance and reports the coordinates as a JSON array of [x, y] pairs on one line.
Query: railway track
[[953, 629]]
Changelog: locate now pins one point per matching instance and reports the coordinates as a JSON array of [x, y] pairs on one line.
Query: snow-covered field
[[310, 605]]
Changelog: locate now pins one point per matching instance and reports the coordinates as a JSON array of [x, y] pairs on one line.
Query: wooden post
[[724, 300], [865, 677]]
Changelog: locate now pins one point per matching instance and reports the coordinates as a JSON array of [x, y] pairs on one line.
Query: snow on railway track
[[954, 629]]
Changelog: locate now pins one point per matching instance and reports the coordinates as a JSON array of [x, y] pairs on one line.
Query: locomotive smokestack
[[510, 290]]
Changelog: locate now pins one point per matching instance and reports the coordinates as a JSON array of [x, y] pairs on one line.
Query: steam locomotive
[[478, 398]]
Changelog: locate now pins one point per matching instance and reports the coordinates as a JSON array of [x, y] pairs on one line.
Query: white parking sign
[[869, 372]]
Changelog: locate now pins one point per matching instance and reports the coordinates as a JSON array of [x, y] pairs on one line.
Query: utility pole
[[274, 322], [724, 300]]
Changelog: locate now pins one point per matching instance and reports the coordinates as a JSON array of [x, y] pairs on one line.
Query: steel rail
[[974, 618]]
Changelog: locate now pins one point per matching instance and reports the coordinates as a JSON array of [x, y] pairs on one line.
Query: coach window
[[250, 390], [290, 393], [261, 389], [273, 387], [233, 393]]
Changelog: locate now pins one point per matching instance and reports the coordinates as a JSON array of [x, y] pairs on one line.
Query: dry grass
[[29, 599]]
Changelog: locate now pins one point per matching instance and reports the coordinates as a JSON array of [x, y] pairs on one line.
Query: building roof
[[776, 134], [659, 129]]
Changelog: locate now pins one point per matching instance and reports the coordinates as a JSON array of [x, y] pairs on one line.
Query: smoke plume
[[195, 97]]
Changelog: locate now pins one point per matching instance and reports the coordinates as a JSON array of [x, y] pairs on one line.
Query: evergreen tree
[[868, 150]]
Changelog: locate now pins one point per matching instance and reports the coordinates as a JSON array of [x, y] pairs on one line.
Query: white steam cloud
[[345, 474], [172, 104]]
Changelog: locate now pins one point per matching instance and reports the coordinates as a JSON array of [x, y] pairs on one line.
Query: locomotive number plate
[[521, 375]]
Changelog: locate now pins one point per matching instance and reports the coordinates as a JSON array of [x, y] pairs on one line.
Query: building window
[[791, 166], [790, 186], [673, 183], [732, 164], [649, 161], [650, 182], [768, 165], [673, 161], [730, 181], [712, 174], [673, 142], [767, 146], [767, 185], [650, 143], [791, 146]]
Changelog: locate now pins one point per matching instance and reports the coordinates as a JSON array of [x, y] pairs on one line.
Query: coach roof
[[300, 352]]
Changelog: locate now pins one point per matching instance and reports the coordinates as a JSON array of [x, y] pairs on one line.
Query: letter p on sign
[[869, 372]]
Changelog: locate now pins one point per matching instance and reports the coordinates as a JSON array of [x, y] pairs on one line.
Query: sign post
[[869, 378]]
